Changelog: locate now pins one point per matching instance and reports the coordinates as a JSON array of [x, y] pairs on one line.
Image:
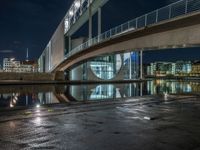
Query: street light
[[38, 106]]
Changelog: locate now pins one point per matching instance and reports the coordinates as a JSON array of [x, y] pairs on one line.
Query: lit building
[[195, 69], [110, 67], [179, 68], [183, 67], [161, 69], [28, 66], [124, 66], [11, 65]]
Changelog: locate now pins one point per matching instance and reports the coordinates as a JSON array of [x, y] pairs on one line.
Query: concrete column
[[70, 44], [90, 20], [141, 89], [26, 100], [50, 55], [130, 67], [141, 64], [99, 21]]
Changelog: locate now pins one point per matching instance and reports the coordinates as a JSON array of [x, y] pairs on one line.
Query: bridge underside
[[180, 32]]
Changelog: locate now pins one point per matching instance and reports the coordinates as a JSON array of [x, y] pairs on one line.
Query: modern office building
[[161, 69], [122, 66], [179, 68]]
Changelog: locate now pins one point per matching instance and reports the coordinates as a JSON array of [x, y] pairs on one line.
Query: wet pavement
[[137, 123]]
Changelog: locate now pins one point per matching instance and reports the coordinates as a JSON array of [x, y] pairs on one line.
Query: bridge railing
[[171, 11]]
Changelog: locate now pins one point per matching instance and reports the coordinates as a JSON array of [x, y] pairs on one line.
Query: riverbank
[[23, 82], [136, 123]]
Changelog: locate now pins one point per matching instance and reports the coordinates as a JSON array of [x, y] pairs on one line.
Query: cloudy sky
[[31, 23]]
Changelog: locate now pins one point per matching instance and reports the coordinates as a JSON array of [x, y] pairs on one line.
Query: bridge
[[174, 26]]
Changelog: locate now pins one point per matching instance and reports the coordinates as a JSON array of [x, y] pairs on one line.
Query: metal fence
[[173, 10]]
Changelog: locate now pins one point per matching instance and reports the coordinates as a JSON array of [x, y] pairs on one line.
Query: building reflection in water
[[105, 91], [52, 94], [16, 99], [172, 87]]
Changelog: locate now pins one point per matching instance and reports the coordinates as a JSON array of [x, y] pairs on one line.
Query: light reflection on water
[[37, 95]]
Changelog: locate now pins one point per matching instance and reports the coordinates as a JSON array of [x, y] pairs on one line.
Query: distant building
[[179, 68], [161, 69], [183, 67], [195, 69], [28, 66], [11, 65], [1, 69]]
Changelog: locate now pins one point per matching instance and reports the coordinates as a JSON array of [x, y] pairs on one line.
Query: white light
[[14, 101], [37, 111], [66, 24], [77, 4], [37, 121], [38, 106], [71, 13], [147, 118], [16, 98], [11, 105], [166, 96]]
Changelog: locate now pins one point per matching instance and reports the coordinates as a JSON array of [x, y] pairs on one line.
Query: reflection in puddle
[[37, 95]]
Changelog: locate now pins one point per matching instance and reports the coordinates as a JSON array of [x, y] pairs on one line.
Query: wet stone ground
[[132, 125]]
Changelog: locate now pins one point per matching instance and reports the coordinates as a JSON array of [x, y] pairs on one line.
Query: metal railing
[[173, 10]]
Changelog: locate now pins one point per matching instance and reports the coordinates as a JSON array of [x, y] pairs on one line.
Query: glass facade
[[106, 67], [123, 66], [131, 65]]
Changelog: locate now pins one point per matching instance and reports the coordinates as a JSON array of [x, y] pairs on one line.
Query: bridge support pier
[[141, 64], [59, 76]]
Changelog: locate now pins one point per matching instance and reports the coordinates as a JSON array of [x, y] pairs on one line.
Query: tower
[[27, 54]]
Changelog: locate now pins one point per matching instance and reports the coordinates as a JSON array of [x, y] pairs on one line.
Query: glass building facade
[[106, 67], [123, 66]]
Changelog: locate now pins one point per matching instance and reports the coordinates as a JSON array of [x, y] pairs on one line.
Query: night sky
[[31, 23]]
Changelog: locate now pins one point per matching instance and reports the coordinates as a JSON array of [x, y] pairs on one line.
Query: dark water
[[27, 96]]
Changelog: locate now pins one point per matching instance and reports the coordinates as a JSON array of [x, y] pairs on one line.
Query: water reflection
[[172, 87], [37, 95]]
